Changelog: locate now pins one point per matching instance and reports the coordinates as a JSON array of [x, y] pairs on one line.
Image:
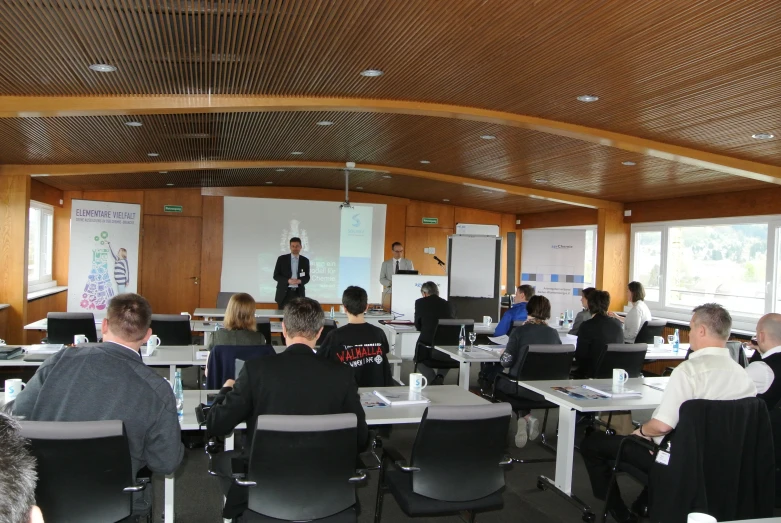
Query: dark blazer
[[520, 339], [295, 382], [593, 337], [428, 311], [282, 273]]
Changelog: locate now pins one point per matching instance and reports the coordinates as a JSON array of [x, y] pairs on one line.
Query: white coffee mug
[[78, 339], [699, 517], [658, 342], [619, 378], [12, 389], [417, 382], [151, 344], [487, 320]]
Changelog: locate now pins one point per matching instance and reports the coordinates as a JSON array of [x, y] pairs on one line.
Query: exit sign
[[172, 208], [430, 221]]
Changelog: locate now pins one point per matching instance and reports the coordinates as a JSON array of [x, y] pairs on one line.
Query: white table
[[568, 406], [213, 313], [665, 352], [466, 359]]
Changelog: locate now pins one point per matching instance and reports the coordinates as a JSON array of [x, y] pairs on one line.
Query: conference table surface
[[214, 313]]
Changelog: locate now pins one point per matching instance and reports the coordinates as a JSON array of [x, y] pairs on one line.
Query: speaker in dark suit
[[291, 285]]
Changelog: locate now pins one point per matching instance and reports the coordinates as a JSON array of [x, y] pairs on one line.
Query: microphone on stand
[[439, 261]]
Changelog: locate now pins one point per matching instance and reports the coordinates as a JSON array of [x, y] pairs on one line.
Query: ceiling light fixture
[[488, 137], [425, 161], [494, 189], [588, 98], [296, 153], [269, 183], [170, 184], [133, 124], [324, 123], [153, 154], [103, 68], [763, 136], [540, 180], [163, 172], [280, 170], [371, 73], [445, 200], [629, 163], [387, 176]]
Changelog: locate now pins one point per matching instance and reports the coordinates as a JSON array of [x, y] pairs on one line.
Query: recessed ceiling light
[[324, 123], [372, 73], [170, 184], [425, 161], [163, 172], [763, 136], [486, 190], [296, 152], [103, 68], [540, 180], [153, 154], [387, 176], [280, 170], [133, 124], [445, 200], [359, 188], [488, 137], [269, 183], [628, 163], [588, 98]]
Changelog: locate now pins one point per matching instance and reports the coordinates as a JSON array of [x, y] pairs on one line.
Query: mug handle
[[159, 342], [425, 383], [624, 376]]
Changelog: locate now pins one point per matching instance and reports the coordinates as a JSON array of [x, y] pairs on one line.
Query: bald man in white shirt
[[763, 373]]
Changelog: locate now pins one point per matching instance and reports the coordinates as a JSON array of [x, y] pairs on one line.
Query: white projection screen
[[344, 247]]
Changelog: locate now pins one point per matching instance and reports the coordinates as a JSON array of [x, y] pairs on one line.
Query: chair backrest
[[222, 361], [650, 329], [82, 468], [627, 356], [172, 329], [516, 323], [458, 450], [223, 298], [63, 326], [546, 362], [737, 353], [264, 327], [447, 331], [328, 326], [302, 465]]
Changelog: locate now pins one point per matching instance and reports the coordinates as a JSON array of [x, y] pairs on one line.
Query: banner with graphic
[[355, 247], [553, 261], [103, 254]]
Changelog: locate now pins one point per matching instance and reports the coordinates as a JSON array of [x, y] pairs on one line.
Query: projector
[[345, 205]]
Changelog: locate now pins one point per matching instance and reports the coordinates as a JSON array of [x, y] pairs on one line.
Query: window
[[39, 246], [685, 264]]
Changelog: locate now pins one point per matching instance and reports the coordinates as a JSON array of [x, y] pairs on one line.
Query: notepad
[[608, 392], [395, 399]]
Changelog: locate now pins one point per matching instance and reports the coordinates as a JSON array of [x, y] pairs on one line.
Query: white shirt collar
[[774, 350], [125, 346], [710, 351]]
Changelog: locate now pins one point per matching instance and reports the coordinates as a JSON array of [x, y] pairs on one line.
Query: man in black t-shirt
[[362, 346]]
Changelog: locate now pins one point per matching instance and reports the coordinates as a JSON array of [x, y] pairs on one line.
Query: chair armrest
[[502, 376], [634, 440], [136, 488], [507, 461], [360, 476], [391, 454]]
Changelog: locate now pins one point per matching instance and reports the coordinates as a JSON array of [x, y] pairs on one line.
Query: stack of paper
[[401, 398]]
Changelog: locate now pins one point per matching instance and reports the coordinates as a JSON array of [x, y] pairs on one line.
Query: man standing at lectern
[[291, 274], [393, 266]]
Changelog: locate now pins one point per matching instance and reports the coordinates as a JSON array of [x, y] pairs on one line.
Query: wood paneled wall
[[576, 216], [4, 323], [740, 203], [39, 308], [613, 256], [14, 228]]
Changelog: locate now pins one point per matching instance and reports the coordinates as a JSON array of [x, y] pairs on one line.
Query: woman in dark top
[[583, 315], [535, 331], [240, 325], [595, 334]]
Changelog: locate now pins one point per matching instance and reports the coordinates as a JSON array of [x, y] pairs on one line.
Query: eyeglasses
[[399, 252]]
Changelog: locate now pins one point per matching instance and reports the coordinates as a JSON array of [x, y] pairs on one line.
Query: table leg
[[229, 441], [172, 372], [207, 336], [463, 374], [168, 494], [397, 372], [565, 450]]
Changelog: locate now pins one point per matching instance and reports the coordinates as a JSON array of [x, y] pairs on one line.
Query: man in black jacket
[[295, 382], [595, 334], [428, 311], [291, 274], [766, 373]]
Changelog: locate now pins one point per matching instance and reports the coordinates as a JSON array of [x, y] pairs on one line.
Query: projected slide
[[344, 246]]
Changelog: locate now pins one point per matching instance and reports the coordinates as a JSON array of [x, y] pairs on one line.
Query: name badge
[[663, 457], [302, 274]]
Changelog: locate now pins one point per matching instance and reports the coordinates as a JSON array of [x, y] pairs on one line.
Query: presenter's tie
[[397, 267]]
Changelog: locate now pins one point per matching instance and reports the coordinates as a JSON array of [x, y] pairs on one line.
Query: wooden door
[[419, 238], [171, 263]]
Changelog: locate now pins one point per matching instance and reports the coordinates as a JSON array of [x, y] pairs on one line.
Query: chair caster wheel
[[589, 517], [540, 484]]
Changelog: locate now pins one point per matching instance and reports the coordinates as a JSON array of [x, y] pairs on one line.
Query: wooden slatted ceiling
[[700, 73], [400, 186], [516, 156]]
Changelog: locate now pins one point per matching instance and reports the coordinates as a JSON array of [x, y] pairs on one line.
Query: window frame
[[742, 321], [42, 280]]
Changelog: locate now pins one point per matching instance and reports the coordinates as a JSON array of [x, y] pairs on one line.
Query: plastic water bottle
[[179, 395], [462, 339], [676, 342], [332, 312]]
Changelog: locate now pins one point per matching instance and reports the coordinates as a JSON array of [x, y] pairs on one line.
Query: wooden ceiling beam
[[153, 167], [36, 106]]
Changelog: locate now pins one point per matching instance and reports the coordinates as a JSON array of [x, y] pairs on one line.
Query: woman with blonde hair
[[240, 327]]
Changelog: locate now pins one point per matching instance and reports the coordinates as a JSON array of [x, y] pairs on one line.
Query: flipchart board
[[474, 274]]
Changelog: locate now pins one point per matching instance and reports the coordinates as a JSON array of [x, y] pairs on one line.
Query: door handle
[[195, 278]]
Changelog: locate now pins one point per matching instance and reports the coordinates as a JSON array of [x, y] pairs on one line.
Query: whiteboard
[[472, 266]]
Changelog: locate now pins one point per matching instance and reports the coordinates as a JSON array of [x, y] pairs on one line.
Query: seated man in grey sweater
[[108, 381]]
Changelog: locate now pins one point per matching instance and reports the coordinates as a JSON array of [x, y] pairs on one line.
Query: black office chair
[[542, 362], [264, 327], [627, 356], [172, 329], [455, 465], [223, 298], [737, 353], [515, 324], [63, 326], [650, 329], [222, 361], [328, 326], [302, 468], [446, 334], [84, 470]]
